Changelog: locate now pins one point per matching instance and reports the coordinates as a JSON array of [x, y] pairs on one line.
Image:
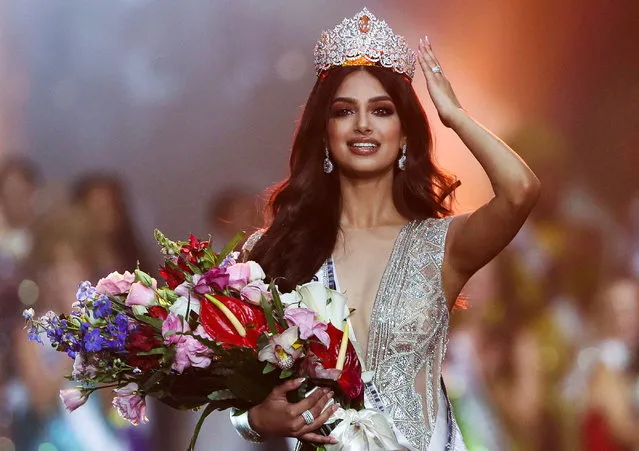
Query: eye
[[384, 111], [340, 112]]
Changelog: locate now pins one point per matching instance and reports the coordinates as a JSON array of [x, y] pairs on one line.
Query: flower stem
[[342, 348], [229, 315]]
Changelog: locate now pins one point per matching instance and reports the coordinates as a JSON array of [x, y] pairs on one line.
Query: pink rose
[[173, 323], [73, 398], [190, 352], [130, 404], [82, 370], [142, 295], [255, 271], [305, 319], [239, 275], [253, 292], [188, 349], [115, 283]]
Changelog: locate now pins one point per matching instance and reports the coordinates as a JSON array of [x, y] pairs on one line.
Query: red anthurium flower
[[220, 329], [350, 380]]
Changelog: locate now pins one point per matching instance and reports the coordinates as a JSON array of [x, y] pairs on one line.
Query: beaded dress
[[408, 335]]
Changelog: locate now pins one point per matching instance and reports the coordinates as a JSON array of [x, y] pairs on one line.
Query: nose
[[363, 123]]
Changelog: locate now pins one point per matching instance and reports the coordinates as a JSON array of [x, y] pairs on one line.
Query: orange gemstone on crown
[[364, 24]]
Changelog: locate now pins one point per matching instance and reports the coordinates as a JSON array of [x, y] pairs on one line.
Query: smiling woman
[[366, 211]]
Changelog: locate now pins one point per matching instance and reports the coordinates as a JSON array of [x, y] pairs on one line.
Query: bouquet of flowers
[[215, 336]]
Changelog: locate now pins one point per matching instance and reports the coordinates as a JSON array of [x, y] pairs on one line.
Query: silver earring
[[401, 163], [328, 164]]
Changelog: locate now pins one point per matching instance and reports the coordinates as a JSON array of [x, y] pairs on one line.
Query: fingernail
[[300, 380]]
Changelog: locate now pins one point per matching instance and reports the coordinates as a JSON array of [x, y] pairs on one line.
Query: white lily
[[315, 296]]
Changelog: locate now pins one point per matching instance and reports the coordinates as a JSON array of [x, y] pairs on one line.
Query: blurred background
[[122, 116]]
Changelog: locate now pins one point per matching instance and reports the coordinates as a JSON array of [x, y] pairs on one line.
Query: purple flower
[[229, 260], [117, 332], [216, 279], [85, 291], [305, 319], [102, 307], [73, 397], [93, 341], [130, 404]]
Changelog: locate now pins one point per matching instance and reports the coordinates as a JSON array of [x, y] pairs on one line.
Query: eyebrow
[[371, 100]]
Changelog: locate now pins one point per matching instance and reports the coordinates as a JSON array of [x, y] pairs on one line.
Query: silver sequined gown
[[408, 335]]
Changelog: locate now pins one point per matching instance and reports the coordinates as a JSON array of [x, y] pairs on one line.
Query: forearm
[[511, 179]]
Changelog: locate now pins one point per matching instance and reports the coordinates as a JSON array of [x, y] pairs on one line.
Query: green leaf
[[221, 395], [285, 374], [207, 411], [268, 368], [144, 278], [268, 312], [277, 303], [156, 351], [230, 246]]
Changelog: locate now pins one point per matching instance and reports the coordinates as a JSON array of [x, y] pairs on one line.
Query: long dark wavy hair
[[303, 211]]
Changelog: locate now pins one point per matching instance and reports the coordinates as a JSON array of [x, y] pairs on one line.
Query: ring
[[437, 69], [308, 417]]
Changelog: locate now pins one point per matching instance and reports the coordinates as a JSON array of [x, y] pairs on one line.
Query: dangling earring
[[401, 163], [328, 164]]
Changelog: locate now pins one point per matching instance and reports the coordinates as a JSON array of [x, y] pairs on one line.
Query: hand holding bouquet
[[215, 335]]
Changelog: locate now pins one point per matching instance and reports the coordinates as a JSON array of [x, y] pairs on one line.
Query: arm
[[475, 238]]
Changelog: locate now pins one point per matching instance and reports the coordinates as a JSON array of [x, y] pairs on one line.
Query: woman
[[363, 210], [605, 383]]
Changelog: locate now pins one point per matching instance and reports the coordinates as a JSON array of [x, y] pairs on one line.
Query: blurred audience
[[115, 247], [605, 382], [60, 258]]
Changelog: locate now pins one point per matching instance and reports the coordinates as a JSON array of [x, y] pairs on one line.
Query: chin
[[366, 169]]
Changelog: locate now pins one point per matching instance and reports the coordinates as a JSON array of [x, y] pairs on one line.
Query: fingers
[[320, 419], [318, 398], [318, 439], [290, 385], [429, 50], [427, 59]]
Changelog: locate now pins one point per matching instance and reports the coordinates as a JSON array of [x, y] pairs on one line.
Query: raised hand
[[276, 417], [439, 88]]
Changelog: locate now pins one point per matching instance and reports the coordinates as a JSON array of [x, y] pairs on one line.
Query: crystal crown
[[364, 41]]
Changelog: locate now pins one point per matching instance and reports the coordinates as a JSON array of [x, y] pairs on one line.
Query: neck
[[368, 202]]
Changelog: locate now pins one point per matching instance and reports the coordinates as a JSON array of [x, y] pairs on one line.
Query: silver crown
[[364, 41]]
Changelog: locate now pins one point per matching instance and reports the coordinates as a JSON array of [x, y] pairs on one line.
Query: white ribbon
[[363, 430]]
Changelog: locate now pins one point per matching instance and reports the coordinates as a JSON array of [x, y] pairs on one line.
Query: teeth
[[364, 145]]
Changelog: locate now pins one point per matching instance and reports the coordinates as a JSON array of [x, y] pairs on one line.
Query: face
[[364, 130], [101, 205]]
